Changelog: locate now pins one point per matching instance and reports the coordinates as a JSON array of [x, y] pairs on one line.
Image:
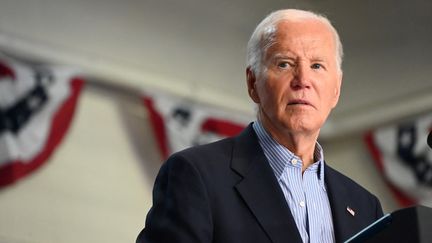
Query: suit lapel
[[261, 191], [344, 222]]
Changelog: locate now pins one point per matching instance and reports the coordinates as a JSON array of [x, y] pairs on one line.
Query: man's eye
[[284, 65], [316, 66]]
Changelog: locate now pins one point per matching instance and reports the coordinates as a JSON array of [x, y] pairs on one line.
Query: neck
[[302, 144]]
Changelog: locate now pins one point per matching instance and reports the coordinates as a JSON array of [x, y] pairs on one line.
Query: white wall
[[97, 185]]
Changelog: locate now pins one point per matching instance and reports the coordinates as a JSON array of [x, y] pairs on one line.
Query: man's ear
[[251, 85], [337, 90]]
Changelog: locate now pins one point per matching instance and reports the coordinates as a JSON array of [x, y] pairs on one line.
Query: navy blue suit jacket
[[226, 192]]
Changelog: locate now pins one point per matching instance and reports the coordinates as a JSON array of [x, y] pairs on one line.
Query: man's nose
[[302, 76]]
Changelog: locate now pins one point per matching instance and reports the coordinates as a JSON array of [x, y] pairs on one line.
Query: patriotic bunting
[[180, 123], [404, 158], [37, 104]]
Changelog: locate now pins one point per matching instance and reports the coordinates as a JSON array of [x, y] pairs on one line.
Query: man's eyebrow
[[318, 59], [283, 56]]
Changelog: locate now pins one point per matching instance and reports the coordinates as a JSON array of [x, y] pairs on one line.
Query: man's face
[[300, 83]]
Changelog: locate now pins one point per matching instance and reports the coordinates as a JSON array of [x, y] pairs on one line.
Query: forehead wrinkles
[[307, 38], [295, 48]]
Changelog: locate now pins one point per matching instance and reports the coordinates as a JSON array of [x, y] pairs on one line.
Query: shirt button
[[302, 204], [294, 161]]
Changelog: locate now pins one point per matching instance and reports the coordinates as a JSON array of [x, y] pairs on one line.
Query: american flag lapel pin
[[351, 211]]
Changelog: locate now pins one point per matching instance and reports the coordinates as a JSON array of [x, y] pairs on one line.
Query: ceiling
[[197, 48]]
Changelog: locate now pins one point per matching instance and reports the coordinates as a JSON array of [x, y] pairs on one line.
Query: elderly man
[[270, 183]]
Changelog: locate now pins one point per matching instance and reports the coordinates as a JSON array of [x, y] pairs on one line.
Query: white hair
[[264, 36]]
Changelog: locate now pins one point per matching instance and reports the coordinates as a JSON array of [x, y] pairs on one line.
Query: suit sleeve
[[180, 211]]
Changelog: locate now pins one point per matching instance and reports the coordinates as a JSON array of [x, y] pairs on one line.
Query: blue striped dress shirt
[[305, 194]]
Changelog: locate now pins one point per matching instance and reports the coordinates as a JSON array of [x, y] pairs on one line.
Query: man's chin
[[300, 126]]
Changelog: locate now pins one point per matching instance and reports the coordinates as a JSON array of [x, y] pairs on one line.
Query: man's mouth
[[299, 102]]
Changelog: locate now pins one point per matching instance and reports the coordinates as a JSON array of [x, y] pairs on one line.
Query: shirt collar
[[280, 157]]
